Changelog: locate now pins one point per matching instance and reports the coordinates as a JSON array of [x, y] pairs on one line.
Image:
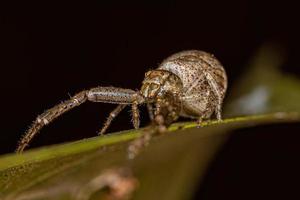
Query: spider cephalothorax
[[159, 82], [162, 88], [189, 84]]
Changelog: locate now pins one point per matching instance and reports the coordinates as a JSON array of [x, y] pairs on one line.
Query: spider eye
[[147, 73], [154, 86]]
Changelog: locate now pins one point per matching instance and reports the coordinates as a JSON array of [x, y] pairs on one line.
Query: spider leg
[[150, 111], [136, 145], [98, 94], [114, 95], [218, 111], [166, 111], [120, 96], [110, 118], [135, 115], [218, 94], [158, 126], [48, 116]]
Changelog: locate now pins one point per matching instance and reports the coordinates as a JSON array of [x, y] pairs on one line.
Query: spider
[[189, 84]]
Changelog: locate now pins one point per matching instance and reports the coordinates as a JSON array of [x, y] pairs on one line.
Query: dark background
[[50, 50]]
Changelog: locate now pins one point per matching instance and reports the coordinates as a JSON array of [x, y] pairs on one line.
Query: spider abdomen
[[203, 78]]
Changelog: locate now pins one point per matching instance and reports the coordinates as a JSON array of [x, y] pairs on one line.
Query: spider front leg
[[111, 116], [98, 94], [116, 111], [166, 111], [150, 111], [48, 116], [120, 96], [135, 115], [158, 126]]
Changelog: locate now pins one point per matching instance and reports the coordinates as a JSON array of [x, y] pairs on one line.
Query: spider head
[[158, 82]]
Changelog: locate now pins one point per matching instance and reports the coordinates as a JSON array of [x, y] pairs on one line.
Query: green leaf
[[167, 169]]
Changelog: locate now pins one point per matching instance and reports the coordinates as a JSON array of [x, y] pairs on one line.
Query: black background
[[52, 50]]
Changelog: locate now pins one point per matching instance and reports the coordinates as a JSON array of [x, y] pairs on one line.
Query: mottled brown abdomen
[[204, 81]]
